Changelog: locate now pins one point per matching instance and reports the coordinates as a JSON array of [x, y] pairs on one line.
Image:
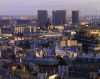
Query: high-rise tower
[[42, 18], [59, 17], [75, 18]]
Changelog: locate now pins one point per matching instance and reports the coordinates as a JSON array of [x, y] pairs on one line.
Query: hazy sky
[[29, 7]]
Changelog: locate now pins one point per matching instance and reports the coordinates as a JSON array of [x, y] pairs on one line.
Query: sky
[[30, 7]]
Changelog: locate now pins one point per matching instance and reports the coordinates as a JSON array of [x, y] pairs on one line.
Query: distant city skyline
[[30, 7]]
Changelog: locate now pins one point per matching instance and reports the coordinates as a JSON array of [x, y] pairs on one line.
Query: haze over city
[[49, 39], [29, 7]]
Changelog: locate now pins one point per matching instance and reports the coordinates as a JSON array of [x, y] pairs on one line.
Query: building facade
[[59, 17], [75, 17], [42, 18]]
